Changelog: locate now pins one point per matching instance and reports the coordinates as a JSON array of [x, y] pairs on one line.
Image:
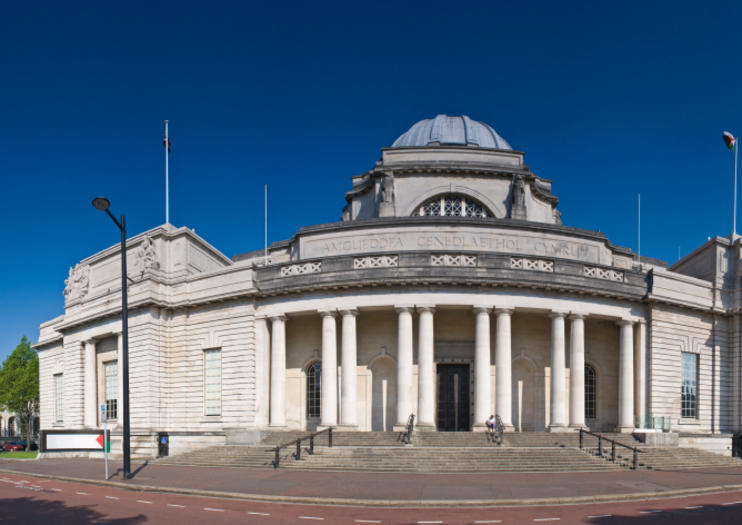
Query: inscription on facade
[[422, 241]]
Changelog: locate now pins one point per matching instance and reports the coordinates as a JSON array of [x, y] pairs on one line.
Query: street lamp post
[[101, 203]]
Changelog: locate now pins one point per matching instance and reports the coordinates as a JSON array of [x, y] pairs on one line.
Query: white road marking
[[112, 497], [144, 501], [546, 519], [732, 503], [695, 507], [310, 518], [175, 505], [600, 516], [82, 493], [57, 490], [210, 509], [488, 521], [258, 513], [369, 521], [421, 522]]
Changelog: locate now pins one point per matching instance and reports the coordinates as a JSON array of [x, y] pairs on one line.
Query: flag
[[166, 143], [729, 139]]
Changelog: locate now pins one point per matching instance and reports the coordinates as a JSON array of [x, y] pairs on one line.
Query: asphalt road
[[28, 500]]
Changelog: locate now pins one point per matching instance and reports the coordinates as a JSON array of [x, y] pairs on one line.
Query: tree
[[19, 386]]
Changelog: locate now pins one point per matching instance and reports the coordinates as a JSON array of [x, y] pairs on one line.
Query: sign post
[[105, 434]]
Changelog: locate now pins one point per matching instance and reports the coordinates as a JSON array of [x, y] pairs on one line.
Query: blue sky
[[606, 99]]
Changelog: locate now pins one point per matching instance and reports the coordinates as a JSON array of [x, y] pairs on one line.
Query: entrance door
[[453, 398], [523, 410]]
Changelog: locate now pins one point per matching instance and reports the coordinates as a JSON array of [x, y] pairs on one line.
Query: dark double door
[[453, 398]]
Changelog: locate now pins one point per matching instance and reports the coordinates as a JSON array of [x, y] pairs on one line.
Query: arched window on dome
[[591, 390], [314, 378], [452, 205]]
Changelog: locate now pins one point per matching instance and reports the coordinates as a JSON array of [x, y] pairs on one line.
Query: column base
[[325, 426], [399, 427], [345, 427], [479, 427], [577, 426], [278, 426], [625, 429], [508, 428], [424, 427], [559, 427]]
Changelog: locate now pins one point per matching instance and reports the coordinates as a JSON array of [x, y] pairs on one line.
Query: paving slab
[[391, 489]]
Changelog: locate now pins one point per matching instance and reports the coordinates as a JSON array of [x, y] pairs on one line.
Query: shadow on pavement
[[707, 514], [30, 510]]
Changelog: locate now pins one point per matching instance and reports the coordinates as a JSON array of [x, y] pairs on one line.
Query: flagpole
[[734, 218], [167, 179]]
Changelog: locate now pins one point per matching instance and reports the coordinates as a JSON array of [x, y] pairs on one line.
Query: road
[[25, 499]]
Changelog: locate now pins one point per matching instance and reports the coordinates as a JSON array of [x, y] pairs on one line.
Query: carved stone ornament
[[518, 208], [387, 189], [146, 256], [78, 282]]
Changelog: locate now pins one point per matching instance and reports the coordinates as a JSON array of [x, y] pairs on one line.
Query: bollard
[[298, 449], [580, 439], [613, 451], [277, 459], [311, 444], [635, 459], [329, 437], [600, 446]]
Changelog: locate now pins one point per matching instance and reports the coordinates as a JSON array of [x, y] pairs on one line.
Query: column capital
[[401, 308], [88, 341], [277, 317], [504, 311], [348, 312], [624, 322], [640, 321], [327, 313], [425, 308], [556, 314], [482, 309], [577, 315]]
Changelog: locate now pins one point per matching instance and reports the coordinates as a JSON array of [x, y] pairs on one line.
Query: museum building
[[450, 290]]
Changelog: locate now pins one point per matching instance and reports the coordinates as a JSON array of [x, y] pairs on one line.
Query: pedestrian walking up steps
[[450, 452]]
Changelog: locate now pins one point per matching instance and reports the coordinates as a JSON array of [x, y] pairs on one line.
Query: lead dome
[[447, 130]]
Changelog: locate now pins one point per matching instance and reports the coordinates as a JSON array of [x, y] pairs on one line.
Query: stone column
[[91, 402], [404, 365], [278, 371], [558, 420], [349, 406], [329, 385], [626, 377], [503, 369], [425, 369], [120, 370], [262, 372], [640, 372], [482, 402], [577, 371]]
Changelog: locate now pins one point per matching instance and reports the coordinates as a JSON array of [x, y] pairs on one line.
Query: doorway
[[453, 398]]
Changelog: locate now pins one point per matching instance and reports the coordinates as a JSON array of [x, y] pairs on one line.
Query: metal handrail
[[297, 442], [635, 459], [406, 436]]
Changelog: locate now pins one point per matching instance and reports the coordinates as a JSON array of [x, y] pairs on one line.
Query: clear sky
[[606, 99]]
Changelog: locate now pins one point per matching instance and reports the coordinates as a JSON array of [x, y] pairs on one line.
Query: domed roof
[[445, 130]]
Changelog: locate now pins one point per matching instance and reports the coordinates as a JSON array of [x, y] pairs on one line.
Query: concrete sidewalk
[[387, 489]]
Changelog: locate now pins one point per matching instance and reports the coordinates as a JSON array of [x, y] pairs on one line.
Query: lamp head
[[101, 203]]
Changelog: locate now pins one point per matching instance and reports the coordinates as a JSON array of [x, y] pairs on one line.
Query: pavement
[[388, 489]]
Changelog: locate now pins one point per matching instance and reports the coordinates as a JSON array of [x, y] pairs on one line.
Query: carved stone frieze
[[78, 282]]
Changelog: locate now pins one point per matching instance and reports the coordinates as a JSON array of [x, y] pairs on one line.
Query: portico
[[482, 339]]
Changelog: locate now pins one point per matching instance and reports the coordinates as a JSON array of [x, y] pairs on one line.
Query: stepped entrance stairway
[[437, 452]]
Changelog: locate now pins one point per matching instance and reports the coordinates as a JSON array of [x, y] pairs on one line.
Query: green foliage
[[19, 385]]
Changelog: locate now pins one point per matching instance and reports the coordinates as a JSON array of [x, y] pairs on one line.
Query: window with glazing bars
[[451, 206], [590, 393], [689, 385], [314, 378], [212, 382], [58, 397], [111, 374]]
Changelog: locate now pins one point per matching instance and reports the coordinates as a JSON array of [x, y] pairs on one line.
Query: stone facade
[[450, 290]]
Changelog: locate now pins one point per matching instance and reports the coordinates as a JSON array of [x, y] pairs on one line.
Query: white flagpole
[[639, 229], [734, 219], [167, 181], [265, 252]]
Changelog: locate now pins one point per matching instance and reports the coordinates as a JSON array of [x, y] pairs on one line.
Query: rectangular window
[[58, 398], [213, 382], [689, 385], [111, 374]]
